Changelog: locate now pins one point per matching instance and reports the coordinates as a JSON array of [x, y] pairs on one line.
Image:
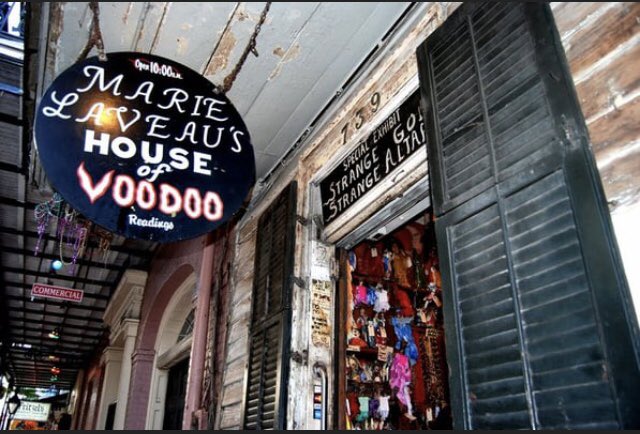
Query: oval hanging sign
[[144, 146]]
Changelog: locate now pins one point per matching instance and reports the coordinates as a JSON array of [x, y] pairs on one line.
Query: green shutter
[[268, 370], [540, 330]]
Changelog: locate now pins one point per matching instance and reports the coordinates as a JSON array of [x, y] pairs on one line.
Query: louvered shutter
[[266, 393], [540, 329]]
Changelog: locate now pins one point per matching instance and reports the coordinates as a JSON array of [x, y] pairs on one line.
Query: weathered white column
[[130, 331], [111, 359]]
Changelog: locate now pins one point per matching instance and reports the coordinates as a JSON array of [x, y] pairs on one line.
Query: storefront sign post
[[56, 292], [33, 411]]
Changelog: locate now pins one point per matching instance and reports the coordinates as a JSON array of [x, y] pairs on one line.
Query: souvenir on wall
[[396, 372]]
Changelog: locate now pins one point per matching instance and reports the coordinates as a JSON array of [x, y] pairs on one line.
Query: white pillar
[[112, 360], [130, 329]]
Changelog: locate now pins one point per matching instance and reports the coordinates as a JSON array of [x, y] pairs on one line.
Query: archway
[[172, 347]]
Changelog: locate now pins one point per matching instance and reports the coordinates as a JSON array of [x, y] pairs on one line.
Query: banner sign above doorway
[[56, 292], [32, 410], [399, 136], [144, 146]]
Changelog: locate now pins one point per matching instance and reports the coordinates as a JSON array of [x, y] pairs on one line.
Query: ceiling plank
[[83, 335], [61, 315], [63, 367], [53, 276], [42, 357], [63, 304], [36, 342], [78, 355], [62, 326], [80, 261], [131, 251]]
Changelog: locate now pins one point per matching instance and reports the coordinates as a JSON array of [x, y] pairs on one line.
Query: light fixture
[[56, 265], [21, 345], [55, 333], [54, 358], [14, 404], [55, 370]]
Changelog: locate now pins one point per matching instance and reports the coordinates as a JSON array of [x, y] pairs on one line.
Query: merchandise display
[[396, 371]]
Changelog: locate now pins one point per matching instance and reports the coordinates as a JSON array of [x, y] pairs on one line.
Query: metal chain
[[250, 48], [95, 35]]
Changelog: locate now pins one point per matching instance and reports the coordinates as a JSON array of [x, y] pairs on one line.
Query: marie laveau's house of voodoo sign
[[398, 137], [144, 146]]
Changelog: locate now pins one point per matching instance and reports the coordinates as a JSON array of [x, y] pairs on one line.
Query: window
[[187, 326]]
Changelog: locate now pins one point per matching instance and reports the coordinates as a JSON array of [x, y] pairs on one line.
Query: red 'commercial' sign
[[57, 292]]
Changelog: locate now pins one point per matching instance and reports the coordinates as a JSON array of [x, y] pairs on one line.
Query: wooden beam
[[61, 326], [80, 261], [78, 355], [139, 253], [83, 335], [7, 167], [60, 315], [13, 120], [16, 203], [61, 364], [50, 302], [42, 376], [37, 342], [594, 39], [49, 275]]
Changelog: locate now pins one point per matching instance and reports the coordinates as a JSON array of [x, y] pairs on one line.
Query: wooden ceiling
[[28, 353]]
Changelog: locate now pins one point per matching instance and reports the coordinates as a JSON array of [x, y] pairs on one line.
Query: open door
[[176, 393], [540, 329]]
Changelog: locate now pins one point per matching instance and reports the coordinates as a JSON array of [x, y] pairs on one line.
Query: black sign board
[[144, 146], [392, 142]]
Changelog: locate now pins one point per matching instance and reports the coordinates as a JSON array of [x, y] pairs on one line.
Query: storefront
[[433, 248], [395, 364], [394, 290], [390, 353]]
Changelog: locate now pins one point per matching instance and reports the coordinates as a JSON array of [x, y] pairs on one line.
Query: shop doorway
[[176, 392], [111, 415], [172, 350], [395, 369]]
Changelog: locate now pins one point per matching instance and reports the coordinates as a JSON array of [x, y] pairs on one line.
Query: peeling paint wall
[[229, 412], [305, 52], [397, 69], [601, 43]]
